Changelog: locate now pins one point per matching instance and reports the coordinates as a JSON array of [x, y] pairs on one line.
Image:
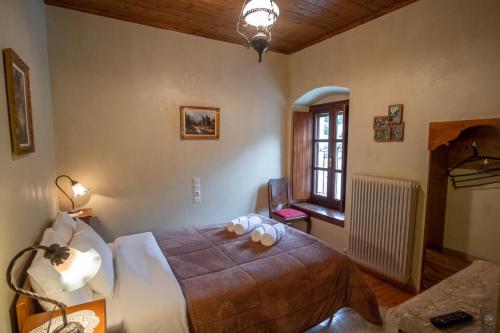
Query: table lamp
[[78, 190], [75, 270]]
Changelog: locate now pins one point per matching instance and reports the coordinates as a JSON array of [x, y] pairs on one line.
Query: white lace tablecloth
[[473, 290], [87, 318]]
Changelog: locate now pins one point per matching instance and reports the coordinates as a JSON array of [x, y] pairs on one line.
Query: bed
[[206, 279]]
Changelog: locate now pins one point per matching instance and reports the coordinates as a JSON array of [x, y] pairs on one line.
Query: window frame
[[332, 109]]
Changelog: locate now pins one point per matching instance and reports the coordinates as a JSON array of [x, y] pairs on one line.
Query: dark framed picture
[[397, 132], [199, 122], [19, 100], [395, 114], [383, 134], [380, 122]]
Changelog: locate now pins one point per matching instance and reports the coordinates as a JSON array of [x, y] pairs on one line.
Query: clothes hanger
[[475, 157], [485, 171]]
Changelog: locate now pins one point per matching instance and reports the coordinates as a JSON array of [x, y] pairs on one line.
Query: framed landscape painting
[[19, 101], [199, 123]]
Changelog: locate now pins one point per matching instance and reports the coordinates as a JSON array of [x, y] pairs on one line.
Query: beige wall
[[332, 98], [117, 88], [472, 221], [438, 58], [27, 202]]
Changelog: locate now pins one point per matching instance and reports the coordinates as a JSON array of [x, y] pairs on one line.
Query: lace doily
[[87, 318]]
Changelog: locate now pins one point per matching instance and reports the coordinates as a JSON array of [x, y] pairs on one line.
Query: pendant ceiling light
[[261, 14]]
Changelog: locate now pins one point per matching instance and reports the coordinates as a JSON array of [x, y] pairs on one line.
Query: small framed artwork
[[380, 122], [383, 134], [19, 102], [397, 132], [199, 123], [395, 114]]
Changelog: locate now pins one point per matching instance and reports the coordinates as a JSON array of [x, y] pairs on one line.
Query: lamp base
[[72, 327]]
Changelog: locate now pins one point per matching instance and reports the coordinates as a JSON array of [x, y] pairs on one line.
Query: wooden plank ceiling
[[301, 23]]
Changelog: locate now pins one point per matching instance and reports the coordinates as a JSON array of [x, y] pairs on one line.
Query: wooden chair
[[279, 204]]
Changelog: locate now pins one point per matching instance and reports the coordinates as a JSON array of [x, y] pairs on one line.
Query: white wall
[[438, 58], [27, 201], [473, 221], [117, 88]]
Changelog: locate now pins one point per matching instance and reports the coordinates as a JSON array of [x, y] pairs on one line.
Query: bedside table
[[84, 214], [99, 307]]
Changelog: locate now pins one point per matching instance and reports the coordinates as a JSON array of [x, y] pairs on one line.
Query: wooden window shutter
[[302, 155]]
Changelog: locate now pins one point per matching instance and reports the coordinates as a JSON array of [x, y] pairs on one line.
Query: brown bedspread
[[232, 284]]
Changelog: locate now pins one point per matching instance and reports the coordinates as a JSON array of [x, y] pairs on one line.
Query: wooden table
[[84, 214], [99, 307]]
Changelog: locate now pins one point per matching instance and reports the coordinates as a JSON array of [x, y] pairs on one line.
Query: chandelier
[[261, 14]]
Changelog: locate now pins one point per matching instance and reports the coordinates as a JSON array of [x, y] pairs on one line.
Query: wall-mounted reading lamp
[[78, 189]]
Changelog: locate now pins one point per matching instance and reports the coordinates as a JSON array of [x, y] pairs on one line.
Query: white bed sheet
[[147, 296]]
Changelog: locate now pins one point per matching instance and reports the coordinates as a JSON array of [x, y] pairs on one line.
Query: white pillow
[[84, 239], [65, 225], [44, 278]]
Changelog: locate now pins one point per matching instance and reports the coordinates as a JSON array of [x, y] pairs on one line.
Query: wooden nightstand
[[99, 307], [85, 214]]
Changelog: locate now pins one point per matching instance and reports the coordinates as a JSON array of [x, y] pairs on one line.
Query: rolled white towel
[[242, 227], [230, 225], [275, 233], [255, 218], [259, 231]]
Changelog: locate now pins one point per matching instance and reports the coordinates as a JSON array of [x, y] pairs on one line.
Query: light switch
[[196, 190]]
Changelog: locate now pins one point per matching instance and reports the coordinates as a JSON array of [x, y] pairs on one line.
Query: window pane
[[321, 153], [340, 125], [320, 182], [322, 130], [338, 185], [338, 155]]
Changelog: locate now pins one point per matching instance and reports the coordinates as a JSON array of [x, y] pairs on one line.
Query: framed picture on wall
[[380, 122], [19, 103], [397, 132], [383, 134], [200, 123], [395, 113]]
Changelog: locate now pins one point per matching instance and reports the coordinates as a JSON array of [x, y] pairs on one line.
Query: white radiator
[[382, 225]]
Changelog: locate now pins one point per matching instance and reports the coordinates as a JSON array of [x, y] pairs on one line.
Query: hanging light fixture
[[261, 14]]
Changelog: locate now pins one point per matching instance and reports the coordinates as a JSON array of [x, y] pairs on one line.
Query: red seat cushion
[[289, 213]]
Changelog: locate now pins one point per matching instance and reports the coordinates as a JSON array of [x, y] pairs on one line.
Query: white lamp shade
[[260, 18], [79, 189], [78, 269]]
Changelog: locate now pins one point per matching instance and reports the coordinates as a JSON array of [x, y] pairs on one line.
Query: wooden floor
[[347, 320], [387, 294]]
